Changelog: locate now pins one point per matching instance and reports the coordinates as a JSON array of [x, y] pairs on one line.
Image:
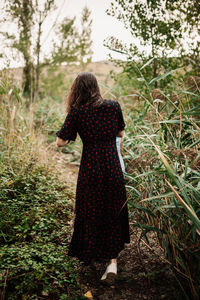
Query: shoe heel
[[110, 279]]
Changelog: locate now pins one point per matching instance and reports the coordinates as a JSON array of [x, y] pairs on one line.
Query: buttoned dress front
[[101, 225]]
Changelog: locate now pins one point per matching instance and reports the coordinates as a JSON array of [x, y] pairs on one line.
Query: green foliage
[[163, 171], [149, 22], [9, 92], [74, 45], [33, 231], [71, 45], [159, 33], [85, 39], [65, 50], [54, 83], [25, 15], [35, 209], [137, 75], [189, 12]]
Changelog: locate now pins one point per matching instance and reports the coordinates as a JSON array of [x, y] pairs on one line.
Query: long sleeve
[[68, 130]]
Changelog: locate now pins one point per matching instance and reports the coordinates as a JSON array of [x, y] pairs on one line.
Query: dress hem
[[97, 259]]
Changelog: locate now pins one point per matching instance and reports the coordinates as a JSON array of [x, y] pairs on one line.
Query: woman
[[101, 225]]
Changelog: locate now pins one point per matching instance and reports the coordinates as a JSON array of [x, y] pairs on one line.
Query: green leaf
[[163, 75], [147, 63]]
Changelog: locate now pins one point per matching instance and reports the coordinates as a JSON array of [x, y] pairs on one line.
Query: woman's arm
[[60, 142]]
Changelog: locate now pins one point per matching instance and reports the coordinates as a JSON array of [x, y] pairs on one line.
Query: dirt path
[[145, 277], [140, 276], [68, 171]]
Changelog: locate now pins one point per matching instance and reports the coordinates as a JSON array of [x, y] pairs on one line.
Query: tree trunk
[[37, 70], [155, 74], [28, 74]]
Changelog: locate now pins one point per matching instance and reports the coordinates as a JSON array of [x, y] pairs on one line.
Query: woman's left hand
[[61, 143]]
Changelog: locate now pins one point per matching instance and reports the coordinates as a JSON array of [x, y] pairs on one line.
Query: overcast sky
[[103, 26]]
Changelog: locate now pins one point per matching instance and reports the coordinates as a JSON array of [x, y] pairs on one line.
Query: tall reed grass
[[162, 160]]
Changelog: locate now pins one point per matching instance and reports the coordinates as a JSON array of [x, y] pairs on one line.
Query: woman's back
[[98, 128], [100, 124]]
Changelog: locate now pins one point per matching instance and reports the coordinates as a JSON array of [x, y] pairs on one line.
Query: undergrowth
[[35, 210], [34, 233]]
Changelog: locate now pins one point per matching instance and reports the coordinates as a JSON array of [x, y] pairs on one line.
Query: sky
[[103, 26]]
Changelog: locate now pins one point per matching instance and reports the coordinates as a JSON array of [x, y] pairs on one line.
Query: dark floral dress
[[100, 228]]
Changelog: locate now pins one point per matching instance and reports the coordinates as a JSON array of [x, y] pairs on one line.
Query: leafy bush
[[35, 210], [54, 83], [34, 233]]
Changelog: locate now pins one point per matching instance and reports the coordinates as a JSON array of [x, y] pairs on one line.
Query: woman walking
[[101, 225]]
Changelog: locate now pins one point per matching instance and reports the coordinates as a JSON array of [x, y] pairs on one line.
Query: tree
[[65, 46], [41, 15], [189, 14], [22, 13], [25, 14], [85, 42], [161, 29], [74, 45], [156, 29], [71, 45]]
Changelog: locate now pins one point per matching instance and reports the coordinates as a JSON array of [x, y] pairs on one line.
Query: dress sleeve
[[68, 130], [121, 123]]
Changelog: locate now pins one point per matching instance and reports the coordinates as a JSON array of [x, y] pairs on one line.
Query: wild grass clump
[[162, 161]]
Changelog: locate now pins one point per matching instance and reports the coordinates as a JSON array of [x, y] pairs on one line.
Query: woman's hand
[[120, 133], [61, 143]]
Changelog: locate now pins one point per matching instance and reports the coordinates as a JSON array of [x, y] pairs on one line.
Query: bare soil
[[140, 276]]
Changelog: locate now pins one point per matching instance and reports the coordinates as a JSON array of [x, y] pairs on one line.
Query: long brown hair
[[84, 90]]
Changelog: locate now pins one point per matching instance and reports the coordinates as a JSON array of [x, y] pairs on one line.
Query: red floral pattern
[[99, 230]]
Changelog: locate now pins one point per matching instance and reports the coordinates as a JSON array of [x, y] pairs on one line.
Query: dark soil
[[140, 276]]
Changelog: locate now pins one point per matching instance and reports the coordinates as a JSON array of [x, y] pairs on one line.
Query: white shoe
[[111, 268]]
